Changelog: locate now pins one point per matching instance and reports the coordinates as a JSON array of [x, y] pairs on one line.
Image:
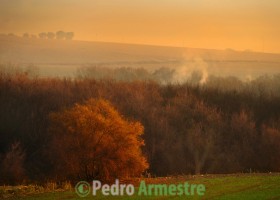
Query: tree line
[[59, 35], [188, 128]]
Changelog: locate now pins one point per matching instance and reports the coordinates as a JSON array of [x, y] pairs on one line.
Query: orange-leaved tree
[[93, 141]]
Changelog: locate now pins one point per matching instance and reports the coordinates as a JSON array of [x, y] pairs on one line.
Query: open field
[[63, 58], [237, 186]]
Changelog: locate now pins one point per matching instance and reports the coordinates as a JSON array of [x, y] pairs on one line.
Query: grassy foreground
[[237, 186]]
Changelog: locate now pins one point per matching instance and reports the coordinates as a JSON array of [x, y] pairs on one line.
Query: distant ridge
[[64, 58], [40, 51]]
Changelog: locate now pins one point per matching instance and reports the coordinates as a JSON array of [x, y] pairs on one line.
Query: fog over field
[[64, 58]]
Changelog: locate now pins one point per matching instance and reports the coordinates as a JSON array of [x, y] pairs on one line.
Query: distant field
[[63, 58], [239, 186]]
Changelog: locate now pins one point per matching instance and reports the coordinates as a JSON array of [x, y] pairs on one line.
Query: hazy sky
[[218, 24]]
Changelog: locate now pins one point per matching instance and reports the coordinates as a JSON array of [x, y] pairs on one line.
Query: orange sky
[[215, 24]]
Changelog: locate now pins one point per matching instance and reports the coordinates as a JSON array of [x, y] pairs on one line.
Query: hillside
[[62, 58]]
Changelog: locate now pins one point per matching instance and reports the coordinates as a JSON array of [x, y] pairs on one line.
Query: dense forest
[[221, 126]]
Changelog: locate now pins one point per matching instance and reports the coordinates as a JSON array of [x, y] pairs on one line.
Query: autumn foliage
[[53, 129], [93, 141]]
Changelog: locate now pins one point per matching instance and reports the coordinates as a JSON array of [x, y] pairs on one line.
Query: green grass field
[[238, 186]]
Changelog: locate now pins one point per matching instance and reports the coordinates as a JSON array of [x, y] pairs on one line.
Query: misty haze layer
[[63, 58]]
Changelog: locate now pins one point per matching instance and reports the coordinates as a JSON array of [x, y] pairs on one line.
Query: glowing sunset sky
[[215, 24]]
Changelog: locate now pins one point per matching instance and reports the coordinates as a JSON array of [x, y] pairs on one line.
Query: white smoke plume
[[191, 66]]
